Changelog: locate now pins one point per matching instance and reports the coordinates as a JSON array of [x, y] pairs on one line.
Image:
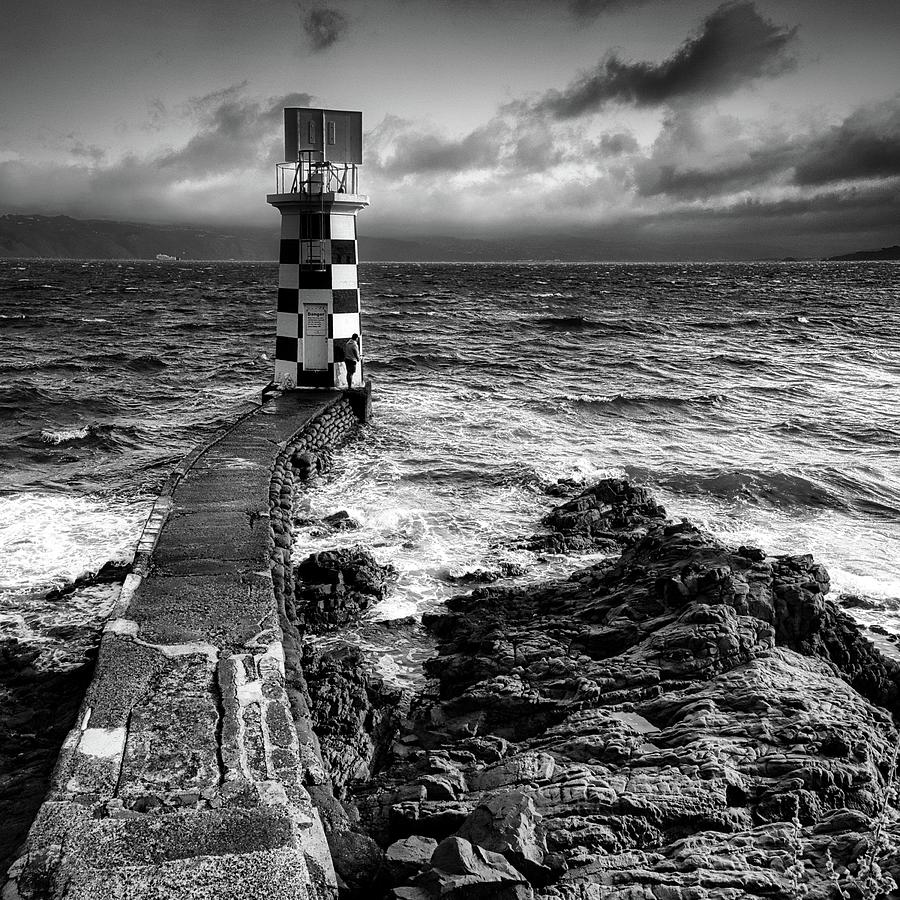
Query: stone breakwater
[[184, 776], [681, 721]]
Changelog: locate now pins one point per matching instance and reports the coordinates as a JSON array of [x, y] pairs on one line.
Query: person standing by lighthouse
[[351, 358]]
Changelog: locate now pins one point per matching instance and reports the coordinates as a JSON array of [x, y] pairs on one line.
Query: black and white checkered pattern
[[316, 264]]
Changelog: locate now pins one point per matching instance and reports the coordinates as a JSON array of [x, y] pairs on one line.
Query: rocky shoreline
[[681, 721]]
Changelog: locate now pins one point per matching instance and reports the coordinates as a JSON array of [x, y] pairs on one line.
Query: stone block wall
[[309, 452]]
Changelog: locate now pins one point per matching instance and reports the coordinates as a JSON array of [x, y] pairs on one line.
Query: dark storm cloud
[[510, 147], [324, 27], [823, 225], [820, 225], [617, 144], [80, 150], [231, 128], [582, 10], [865, 145], [425, 153], [234, 139], [690, 184], [591, 9], [735, 45], [696, 157], [532, 151], [687, 164]]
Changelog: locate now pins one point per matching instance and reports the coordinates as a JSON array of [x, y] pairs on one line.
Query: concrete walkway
[[183, 777]]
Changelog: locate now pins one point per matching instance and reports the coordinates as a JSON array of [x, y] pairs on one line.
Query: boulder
[[334, 587], [341, 521], [459, 871], [607, 515], [507, 823], [409, 857], [360, 863]]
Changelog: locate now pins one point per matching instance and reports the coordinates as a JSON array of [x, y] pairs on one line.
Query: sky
[[652, 129]]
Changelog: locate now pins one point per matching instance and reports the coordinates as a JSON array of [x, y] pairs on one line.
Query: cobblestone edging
[[311, 449]]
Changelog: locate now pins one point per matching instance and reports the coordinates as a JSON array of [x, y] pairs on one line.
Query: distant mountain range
[[62, 237], [66, 238], [883, 253]]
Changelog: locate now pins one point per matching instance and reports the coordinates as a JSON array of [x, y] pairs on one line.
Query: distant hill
[[67, 238], [883, 253], [62, 237]]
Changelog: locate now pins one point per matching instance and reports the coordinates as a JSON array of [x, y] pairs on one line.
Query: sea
[[759, 400]]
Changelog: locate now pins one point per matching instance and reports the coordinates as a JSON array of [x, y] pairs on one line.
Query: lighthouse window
[[332, 133], [312, 132]]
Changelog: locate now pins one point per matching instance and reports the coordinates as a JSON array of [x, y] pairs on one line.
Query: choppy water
[[760, 400]]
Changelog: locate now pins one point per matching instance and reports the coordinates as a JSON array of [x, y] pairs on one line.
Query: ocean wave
[[65, 436], [576, 323], [416, 361], [860, 434], [781, 489], [487, 475], [147, 362], [568, 323], [630, 401], [102, 436], [755, 322], [736, 361]]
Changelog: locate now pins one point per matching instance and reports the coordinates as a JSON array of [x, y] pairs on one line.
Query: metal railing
[[312, 176]]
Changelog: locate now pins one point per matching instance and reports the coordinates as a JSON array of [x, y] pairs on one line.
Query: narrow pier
[[184, 776]]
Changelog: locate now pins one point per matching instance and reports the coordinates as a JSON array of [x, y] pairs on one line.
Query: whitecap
[[65, 436]]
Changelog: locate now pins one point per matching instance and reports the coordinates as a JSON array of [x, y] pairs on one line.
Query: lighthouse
[[318, 287]]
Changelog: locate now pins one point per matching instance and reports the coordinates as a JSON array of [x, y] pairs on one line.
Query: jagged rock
[[355, 715], [609, 514], [341, 521], [460, 870], [507, 823], [687, 721], [563, 487], [360, 863], [407, 858], [335, 586], [485, 576]]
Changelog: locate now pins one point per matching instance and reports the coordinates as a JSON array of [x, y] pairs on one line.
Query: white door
[[315, 336]]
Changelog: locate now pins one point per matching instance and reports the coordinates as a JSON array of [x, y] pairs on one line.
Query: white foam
[[63, 436], [859, 559], [50, 539]]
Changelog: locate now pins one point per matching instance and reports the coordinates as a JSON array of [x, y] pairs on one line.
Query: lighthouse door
[[315, 336]]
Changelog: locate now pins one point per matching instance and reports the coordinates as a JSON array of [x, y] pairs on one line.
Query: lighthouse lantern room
[[318, 289]]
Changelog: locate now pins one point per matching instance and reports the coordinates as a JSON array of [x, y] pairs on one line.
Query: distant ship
[[164, 257]]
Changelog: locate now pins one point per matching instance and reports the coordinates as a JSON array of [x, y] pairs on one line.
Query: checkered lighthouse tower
[[318, 289]]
